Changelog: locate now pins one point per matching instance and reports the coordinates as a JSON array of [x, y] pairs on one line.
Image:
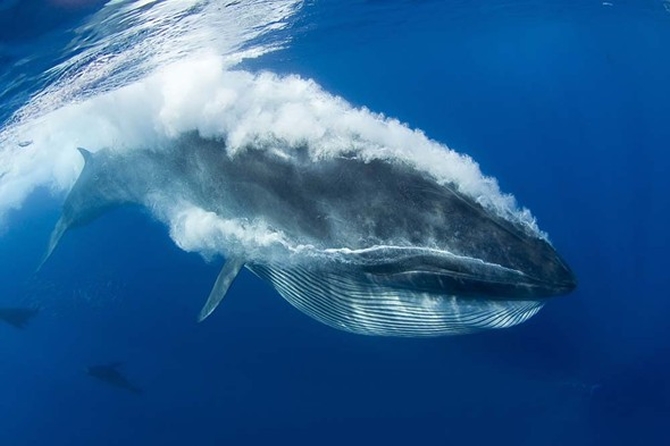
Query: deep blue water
[[566, 103]]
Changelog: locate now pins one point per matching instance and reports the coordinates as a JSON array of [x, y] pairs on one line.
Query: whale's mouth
[[403, 291], [490, 281], [442, 273], [390, 305]]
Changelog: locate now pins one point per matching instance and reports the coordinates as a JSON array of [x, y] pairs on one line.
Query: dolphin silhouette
[[370, 246], [110, 374], [18, 317]]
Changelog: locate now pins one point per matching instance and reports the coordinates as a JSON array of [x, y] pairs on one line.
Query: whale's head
[[529, 269], [480, 255]]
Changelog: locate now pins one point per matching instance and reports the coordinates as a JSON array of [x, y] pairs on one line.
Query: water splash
[[141, 73]]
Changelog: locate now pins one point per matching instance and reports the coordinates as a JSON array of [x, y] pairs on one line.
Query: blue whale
[[370, 246]]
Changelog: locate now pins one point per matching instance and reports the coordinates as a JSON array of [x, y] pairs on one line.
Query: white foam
[[202, 92], [120, 46], [194, 229]]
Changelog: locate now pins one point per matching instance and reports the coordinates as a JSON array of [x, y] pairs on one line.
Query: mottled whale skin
[[370, 246]]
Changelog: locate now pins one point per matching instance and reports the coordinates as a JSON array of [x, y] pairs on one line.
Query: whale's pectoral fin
[[63, 225], [226, 277], [56, 235]]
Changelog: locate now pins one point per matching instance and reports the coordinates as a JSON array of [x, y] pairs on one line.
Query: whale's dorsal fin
[[85, 154], [225, 278]]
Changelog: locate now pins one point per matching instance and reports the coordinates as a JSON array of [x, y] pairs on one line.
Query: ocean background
[[566, 103]]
